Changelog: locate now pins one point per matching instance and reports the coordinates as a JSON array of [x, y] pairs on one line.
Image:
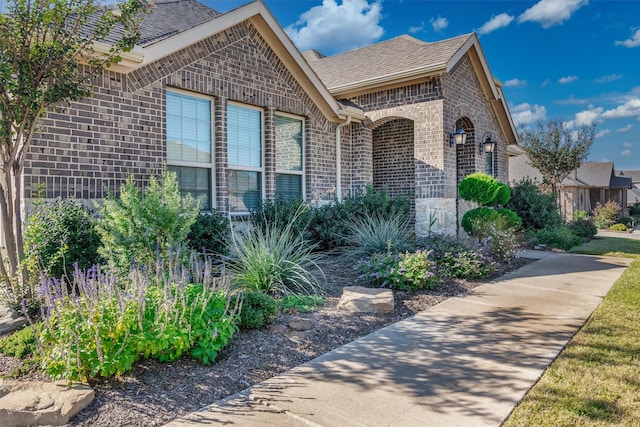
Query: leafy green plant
[[473, 218], [209, 233], [583, 228], [258, 309], [535, 209], [106, 324], [274, 260], [281, 212], [455, 259], [19, 344], [630, 222], [605, 215], [483, 189], [57, 235], [511, 218], [618, 227], [578, 215], [138, 225], [559, 237], [374, 234], [404, 272], [300, 303], [499, 237]]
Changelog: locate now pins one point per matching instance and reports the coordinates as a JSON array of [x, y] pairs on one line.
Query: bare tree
[[555, 151], [50, 52]]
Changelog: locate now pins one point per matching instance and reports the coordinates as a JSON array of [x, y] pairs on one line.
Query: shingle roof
[[382, 59], [595, 174], [634, 175], [165, 19]]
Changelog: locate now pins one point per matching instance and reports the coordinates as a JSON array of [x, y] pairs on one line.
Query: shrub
[[630, 222], [274, 260], [578, 215], [19, 344], [484, 190], [404, 272], [511, 218], [536, 210], [561, 237], [58, 234], [618, 227], [300, 303], [583, 228], [605, 215], [280, 212], [209, 233], [499, 236], [258, 309], [477, 216], [139, 224], [456, 260], [372, 234], [109, 324]]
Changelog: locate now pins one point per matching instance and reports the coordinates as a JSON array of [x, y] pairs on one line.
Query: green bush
[[209, 233], [583, 228], [19, 344], [605, 215], [369, 235], [57, 235], [110, 323], [618, 227], [562, 237], [477, 216], [258, 309], [578, 215], [274, 260], [499, 237], [138, 225], [630, 222], [457, 260], [512, 219], [484, 190], [536, 210], [404, 272], [300, 303]]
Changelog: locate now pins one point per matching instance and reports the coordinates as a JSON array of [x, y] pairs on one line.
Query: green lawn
[[596, 379]]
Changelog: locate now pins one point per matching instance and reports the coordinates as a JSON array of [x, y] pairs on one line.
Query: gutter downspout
[[339, 158]]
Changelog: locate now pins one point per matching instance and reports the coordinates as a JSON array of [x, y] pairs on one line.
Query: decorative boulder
[[358, 299], [29, 403], [10, 320]]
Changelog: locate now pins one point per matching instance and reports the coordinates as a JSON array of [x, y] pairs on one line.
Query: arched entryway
[[393, 156]]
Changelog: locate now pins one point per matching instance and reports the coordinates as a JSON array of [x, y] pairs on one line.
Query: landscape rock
[[32, 403], [10, 320], [358, 299], [300, 324], [277, 329]]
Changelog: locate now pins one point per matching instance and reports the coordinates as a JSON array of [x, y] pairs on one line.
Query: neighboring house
[[591, 183], [633, 195], [230, 105]]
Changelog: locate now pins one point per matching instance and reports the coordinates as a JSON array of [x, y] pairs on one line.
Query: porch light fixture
[[458, 137], [488, 145]]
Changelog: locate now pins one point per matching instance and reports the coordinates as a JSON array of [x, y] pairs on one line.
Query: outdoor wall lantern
[[488, 144], [458, 137]]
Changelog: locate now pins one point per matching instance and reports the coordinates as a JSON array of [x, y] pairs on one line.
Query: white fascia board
[[132, 58], [388, 79]]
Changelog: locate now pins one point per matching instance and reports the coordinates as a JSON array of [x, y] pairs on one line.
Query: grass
[[596, 379]]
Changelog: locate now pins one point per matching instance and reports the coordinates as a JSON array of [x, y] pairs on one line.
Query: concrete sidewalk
[[465, 362]]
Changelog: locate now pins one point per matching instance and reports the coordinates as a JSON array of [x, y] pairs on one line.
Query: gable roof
[[633, 174], [404, 59]]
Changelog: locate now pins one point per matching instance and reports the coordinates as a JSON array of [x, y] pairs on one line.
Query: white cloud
[[631, 108], [515, 83], [567, 80], [544, 83], [625, 153], [350, 25], [584, 118], [526, 113], [439, 23], [609, 78], [572, 100], [627, 144], [496, 22], [417, 28], [603, 133], [627, 128], [551, 12], [634, 41]]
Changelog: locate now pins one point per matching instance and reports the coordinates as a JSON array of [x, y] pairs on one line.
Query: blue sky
[[578, 60]]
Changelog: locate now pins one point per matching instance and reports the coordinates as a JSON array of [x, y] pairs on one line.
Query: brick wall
[[93, 145], [393, 164]]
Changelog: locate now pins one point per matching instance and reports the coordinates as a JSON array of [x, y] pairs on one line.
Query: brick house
[[228, 103], [591, 183]]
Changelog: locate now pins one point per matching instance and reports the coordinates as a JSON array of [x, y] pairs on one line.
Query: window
[[289, 156], [189, 141], [244, 157]]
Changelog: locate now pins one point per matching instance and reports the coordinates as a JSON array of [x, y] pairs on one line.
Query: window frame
[[194, 164], [303, 159], [230, 167]]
